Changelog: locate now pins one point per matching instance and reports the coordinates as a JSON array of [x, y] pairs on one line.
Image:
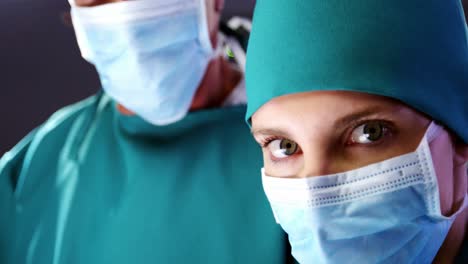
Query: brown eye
[[368, 133], [282, 148]]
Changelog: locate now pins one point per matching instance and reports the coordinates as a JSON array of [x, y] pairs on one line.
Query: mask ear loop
[[220, 49], [433, 131], [203, 34], [80, 35]]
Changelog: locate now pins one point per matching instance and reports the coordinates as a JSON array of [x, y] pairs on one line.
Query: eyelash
[[264, 142], [387, 125]]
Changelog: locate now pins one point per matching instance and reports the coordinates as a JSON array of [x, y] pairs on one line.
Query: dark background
[[41, 69]]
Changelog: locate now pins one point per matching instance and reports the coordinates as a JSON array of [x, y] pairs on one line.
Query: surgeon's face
[[319, 133]]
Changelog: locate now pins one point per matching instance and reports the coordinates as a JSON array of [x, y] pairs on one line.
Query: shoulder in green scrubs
[[93, 186]]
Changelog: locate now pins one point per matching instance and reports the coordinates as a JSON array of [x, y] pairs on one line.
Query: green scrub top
[[93, 186]]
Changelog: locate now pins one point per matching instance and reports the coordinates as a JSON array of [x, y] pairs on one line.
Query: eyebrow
[[372, 110], [271, 131], [342, 121]]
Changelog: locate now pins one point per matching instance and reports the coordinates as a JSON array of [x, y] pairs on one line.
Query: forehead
[[94, 2], [320, 107], [101, 2]]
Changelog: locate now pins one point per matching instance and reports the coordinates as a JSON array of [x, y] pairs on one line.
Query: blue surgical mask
[[387, 212], [151, 55]]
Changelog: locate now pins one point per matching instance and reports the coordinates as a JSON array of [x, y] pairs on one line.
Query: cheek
[[288, 167], [442, 157], [265, 159], [269, 165]]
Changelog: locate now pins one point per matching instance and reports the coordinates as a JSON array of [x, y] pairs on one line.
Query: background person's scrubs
[[94, 186]]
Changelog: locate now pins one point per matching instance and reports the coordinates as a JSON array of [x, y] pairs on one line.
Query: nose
[[322, 159], [318, 168], [95, 2]]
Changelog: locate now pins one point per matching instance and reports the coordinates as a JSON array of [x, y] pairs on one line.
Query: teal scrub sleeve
[[30, 155], [100, 187], [10, 167]]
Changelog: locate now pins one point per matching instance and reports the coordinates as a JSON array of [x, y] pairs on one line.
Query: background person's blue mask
[[387, 212], [151, 55]]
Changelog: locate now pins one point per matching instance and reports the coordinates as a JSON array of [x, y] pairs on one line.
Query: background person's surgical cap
[[415, 51]]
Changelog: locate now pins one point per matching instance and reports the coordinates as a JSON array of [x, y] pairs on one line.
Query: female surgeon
[[361, 109]]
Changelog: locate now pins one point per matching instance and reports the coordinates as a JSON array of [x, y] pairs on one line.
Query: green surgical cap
[[415, 51]]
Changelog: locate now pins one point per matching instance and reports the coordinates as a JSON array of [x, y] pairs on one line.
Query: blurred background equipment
[[41, 69]]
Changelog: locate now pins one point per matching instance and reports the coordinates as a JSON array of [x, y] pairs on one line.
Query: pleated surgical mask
[[386, 212], [151, 55]]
